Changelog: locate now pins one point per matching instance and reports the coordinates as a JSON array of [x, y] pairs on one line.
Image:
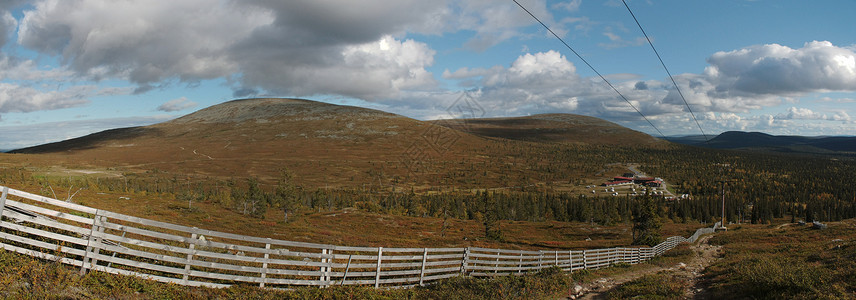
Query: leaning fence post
[[347, 267], [424, 260], [90, 243], [520, 265], [377, 275], [97, 247]]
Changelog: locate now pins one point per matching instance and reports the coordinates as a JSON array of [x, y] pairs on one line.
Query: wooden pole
[[265, 266], [347, 267], [191, 246], [90, 243], [464, 261], [571, 261], [496, 266], [377, 274], [3, 200], [422, 273]]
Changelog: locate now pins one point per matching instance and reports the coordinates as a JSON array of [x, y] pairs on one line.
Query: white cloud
[[27, 70], [779, 70], [177, 105], [836, 100], [795, 113], [573, 5], [15, 98]]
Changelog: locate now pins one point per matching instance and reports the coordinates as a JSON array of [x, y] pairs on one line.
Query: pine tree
[[646, 222]]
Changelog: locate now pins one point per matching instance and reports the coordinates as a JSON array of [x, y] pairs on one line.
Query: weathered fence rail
[[100, 240]]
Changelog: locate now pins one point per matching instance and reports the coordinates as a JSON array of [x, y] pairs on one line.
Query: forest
[[758, 187]]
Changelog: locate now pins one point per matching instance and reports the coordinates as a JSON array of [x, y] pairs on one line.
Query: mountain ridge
[[759, 141]]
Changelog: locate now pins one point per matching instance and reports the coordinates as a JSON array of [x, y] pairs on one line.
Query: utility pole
[[722, 191]]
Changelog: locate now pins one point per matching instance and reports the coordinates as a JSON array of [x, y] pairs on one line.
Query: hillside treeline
[[758, 188]]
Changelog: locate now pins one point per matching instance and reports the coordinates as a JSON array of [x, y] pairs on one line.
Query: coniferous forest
[[758, 187]]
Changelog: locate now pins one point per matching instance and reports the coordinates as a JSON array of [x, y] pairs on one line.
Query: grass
[[25, 277], [655, 286], [795, 262]]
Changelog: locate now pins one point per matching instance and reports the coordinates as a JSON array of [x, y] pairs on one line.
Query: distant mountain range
[[776, 143]]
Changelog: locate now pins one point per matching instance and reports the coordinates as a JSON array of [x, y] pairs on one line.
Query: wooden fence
[[94, 239]]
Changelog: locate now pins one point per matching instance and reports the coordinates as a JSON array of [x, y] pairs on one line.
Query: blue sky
[[73, 67]]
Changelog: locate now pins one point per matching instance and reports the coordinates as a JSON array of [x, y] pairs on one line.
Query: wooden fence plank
[[198, 262]]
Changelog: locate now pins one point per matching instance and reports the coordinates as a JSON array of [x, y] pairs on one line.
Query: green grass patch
[[25, 277]]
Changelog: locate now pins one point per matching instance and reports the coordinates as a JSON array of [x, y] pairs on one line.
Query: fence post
[[329, 267], [3, 201], [424, 260], [97, 247], [347, 268], [464, 261], [377, 275], [571, 261], [585, 260], [557, 258], [323, 269], [192, 247], [265, 264], [540, 259], [90, 244], [520, 265], [496, 265]]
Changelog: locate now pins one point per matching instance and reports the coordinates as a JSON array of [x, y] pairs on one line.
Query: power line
[[667, 70], [590, 67]]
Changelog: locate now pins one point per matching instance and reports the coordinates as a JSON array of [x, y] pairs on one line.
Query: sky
[[786, 67]]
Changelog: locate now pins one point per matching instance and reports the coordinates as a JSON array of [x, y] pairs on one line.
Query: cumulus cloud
[[780, 70], [15, 98], [27, 70], [177, 105], [370, 71], [7, 23], [294, 47], [144, 42]]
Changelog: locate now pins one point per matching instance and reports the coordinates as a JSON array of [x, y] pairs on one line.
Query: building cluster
[[633, 179]]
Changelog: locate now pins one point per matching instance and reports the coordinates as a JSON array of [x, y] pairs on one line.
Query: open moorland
[[306, 171]]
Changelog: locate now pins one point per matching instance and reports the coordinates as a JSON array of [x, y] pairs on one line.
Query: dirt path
[[704, 255]]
